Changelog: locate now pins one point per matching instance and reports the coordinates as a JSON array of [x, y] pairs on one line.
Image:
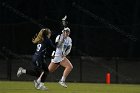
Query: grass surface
[[28, 87]]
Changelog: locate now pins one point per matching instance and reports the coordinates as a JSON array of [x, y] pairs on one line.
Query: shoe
[[19, 72], [36, 84], [62, 83], [42, 87]]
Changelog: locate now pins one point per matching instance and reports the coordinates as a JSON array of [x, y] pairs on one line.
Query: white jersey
[[63, 48]]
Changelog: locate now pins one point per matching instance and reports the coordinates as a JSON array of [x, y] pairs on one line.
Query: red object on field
[[108, 78]]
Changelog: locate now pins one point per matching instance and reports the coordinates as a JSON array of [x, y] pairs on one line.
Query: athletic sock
[[63, 78], [38, 80]]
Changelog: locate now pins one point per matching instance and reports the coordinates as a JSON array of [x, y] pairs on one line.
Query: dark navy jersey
[[44, 48]]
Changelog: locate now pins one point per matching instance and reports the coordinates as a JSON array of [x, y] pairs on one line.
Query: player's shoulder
[[57, 38]]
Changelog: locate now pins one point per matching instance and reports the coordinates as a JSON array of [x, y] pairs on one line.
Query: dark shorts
[[40, 63]]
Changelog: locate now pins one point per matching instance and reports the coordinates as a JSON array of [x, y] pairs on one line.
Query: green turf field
[[28, 87]]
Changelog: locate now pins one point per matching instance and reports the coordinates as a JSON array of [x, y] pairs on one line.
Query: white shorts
[[57, 59]]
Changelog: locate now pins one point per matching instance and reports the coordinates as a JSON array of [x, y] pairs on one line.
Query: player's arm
[[59, 40], [67, 51], [49, 42]]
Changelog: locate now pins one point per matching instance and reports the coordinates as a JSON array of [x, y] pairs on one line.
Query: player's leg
[[39, 83], [20, 71], [68, 67], [38, 63], [41, 79], [53, 66], [55, 63], [30, 72], [35, 68], [46, 72]]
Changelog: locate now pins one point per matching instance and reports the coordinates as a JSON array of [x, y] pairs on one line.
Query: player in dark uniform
[[44, 44]]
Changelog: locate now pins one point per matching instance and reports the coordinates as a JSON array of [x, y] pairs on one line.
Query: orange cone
[[108, 78]]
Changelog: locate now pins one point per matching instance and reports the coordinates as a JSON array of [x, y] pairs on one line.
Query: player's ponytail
[[41, 35]]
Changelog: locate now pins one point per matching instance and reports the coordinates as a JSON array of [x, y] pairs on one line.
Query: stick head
[[64, 22], [64, 18]]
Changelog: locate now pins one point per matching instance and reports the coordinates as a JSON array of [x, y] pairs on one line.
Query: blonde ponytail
[[39, 37]]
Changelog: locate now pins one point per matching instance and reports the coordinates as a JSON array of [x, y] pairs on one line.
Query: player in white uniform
[[63, 48]]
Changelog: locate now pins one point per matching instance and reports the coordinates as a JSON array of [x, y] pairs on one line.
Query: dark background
[[105, 36], [104, 28]]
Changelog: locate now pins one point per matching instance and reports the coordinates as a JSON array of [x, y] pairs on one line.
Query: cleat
[[62, 83], [36, 84], [19, 72], [42, 87]]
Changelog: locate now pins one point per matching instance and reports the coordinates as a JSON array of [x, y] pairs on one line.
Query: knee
[[70, 67], [51, 70]]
